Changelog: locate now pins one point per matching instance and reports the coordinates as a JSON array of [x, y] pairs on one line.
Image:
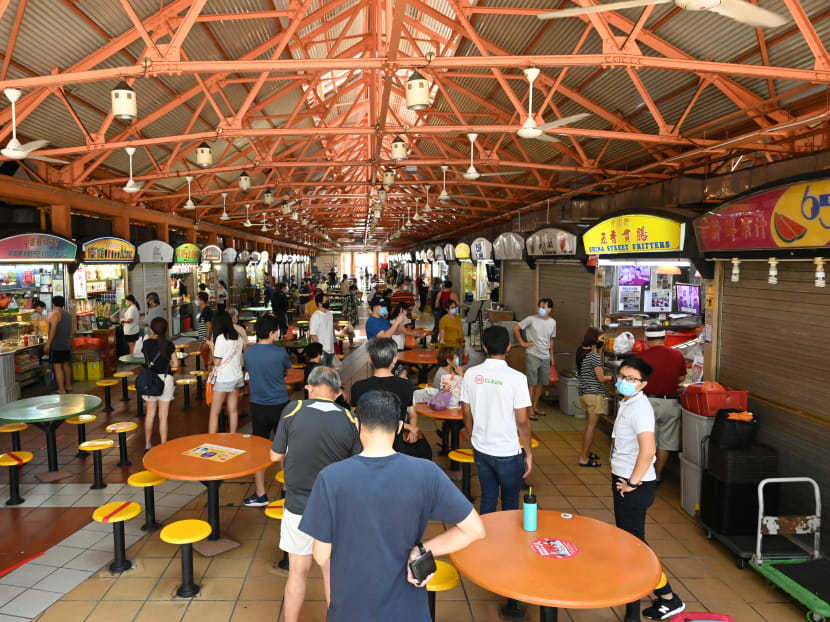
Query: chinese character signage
[[551, 242], [187, 253], [155, 251], [796, 216], [108, 250], [508, 246], [36, 247], [211, 254], [633, 234]]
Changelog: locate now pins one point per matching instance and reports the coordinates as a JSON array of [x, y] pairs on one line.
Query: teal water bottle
[[529, 511]]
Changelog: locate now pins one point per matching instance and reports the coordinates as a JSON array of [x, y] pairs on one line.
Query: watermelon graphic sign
[[789, 217]]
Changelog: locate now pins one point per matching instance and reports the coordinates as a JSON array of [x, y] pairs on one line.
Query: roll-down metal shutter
[[569, 285], [517, 285]]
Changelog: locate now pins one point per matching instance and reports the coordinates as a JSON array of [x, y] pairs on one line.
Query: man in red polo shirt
[[669, 371]]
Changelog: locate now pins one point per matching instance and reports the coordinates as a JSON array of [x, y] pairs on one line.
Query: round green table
[[256, 309], [193, 334], [47, 412], [129, 359], [294, 344]]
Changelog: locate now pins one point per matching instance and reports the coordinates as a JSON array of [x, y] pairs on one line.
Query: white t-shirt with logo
[[321, 325], [539, 330], [634, 417], [494, 391]]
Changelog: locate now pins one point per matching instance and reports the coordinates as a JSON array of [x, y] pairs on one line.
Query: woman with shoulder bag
[[227, 371], [159, 358], [592, 381]]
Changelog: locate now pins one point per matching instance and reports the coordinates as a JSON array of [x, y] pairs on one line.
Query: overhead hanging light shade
[[398, 149], [268, 197], [295, 216], [383, 195], [417, 92], [286, 210], [304, 222], [389, 176], [204, 155], [124, 105], [670, 270], [244, 181]]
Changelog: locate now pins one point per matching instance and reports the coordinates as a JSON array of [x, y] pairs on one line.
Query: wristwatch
[[421, 548], [634, 485]]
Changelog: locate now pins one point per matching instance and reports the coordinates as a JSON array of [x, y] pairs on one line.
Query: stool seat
[[423, 385], [343, 323], [122, 374], [81, 419], [193, 353], [96, 445], [298, 366], [341, 356], [280, 477], [275, 509], [131, 387], [181, 346], [534, 443], [181, 381], [186, 531], [445, 578], [15, 458], [200, 372], [106, 382], [8, 428], [116, 512], [122, 426], [143, 479], [462, 455]]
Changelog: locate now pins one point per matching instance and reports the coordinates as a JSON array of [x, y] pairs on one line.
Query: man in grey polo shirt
[[540, 330]]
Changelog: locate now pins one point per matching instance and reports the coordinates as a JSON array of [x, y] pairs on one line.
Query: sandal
[[539, 413], [593, 456], [592, 462], [533, 417]]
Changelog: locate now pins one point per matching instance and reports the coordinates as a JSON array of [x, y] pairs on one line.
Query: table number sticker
[[554, 548], [214, 453]]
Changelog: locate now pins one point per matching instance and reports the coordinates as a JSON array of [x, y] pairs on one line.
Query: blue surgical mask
[[543, 311], [626, 388], [455, 360], [383, 312], [454, 311]]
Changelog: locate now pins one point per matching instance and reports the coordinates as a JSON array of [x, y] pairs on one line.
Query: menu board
[[658, 301], [108, 250], [629, 297]]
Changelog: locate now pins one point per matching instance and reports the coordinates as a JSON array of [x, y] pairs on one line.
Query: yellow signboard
[[108, 250], [462, 251], [634, 233]]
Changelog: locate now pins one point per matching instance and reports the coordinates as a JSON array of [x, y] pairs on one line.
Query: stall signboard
[[481, 250], [431, 254], [243, 256], [508, 246], [633, 234], [254, 257], [229, 255], [37, 247], [439, 253], [188, 253], [449, 252], [155, 251], [211, 254], [786, 217], [551, 242], [108, 250], [263, 257], [279, 258], [462, 251]]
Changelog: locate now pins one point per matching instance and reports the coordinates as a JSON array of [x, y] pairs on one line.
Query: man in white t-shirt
[[540, 330], [321, 328], [494, 402]]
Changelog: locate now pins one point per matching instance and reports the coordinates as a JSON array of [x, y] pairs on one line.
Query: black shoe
[[664, 608]]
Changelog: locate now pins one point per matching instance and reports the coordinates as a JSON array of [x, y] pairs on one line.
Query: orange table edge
[[448, 414]]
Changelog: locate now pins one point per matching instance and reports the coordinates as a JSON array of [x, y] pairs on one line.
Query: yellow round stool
[[121, 428], [107, 383], [122, 376], [186, 382], [275, 510], [534, 443], [465, 457], [14, 429], [148, 481], [185, 533], [445, 578], [199, 374], [198, 356], [81, 421], [14, 460], [97, 447], [116, 513]]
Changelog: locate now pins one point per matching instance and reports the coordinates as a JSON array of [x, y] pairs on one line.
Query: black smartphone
[[423, 565]]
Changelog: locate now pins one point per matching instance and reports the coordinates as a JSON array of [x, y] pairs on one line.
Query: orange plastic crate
[[708, 403]]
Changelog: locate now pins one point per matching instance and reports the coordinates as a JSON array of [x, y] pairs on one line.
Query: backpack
[[147, 382]]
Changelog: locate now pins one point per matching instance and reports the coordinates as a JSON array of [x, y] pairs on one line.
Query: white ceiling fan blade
[[599, 8], [749, 14], [45, 159], [33, 145], [160, 191], [565, 121], [547, 139], [499, 174]]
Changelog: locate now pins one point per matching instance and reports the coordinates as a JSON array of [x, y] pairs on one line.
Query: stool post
[[465, 480], [223, 421], [107, 400], [187, 397], [283, 563], [122, 449], [120, 563], [188, 588], [15, 441], [431, 596], [199, 363], [125, 394], [454, 442], [200, 395], [81, 439], [14, 487], [551, 614], [139, 407], [98, 470], [150, 523]]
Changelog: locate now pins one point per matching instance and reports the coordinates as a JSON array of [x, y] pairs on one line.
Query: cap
[[655, 333]]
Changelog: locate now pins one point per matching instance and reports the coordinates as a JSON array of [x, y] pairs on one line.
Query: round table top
[[421, 357], [168, 460], [49, 408], [129, 359], [293, 376], [190, 333], [423, 332], [294, 344], [448, 414], [609, 567], [256, 309]]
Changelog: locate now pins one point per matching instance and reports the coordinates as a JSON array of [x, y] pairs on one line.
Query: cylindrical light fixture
[[417, 92], [244, 181], [383, 195], [295, 216], [286, 210], [204, 155], [389, 176], [398, 148], [124, 105], [268, 197]]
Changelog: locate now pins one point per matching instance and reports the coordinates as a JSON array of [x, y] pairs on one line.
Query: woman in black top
[[591, 390], [159, 357]]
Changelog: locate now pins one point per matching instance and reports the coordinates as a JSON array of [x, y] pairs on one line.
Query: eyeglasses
[[628, 378]]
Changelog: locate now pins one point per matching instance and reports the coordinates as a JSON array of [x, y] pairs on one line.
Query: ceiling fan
[[247, 222], [530, 129], [739, 10], [16, 151], [471, 174], [132, 186], [189, 204], [444, 197]]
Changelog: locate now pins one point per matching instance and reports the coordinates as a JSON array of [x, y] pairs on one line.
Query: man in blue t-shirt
[[266, 365], [378, 325], [395, 496]]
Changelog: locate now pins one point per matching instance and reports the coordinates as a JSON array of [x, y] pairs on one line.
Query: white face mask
[[543, 311]]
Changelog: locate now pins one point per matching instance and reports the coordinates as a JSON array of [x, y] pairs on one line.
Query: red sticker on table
[[554, 548]]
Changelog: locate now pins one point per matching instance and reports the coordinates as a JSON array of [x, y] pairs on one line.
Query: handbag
[[410, 342], [138, 348], [440, 401], [147, 382], [206, 352]]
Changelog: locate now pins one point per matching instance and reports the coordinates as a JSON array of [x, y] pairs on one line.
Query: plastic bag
[[440, 401], [554, 375], [624, 343]]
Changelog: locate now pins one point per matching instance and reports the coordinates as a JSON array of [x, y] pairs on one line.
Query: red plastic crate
[[701, 616], [708, 403]]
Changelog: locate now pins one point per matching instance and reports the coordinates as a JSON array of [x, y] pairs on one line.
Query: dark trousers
[[437, 315], [423, 294], [499, 474], [282, 322]]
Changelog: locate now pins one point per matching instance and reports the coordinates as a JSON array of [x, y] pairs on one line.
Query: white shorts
[[292, 540], [169, 391]]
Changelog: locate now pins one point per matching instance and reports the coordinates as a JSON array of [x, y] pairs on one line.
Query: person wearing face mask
[[450, 331], [321, 328], [633, 480], [591, 391], [540, 330], [378, 324], [403, 296]]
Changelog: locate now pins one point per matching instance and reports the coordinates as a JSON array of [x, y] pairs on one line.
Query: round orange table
[[168, 460], [602, 566], [422, 359], [422, 334], [454, 421], [293, 376]]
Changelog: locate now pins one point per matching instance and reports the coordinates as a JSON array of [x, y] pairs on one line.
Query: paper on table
[[215, 453]]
